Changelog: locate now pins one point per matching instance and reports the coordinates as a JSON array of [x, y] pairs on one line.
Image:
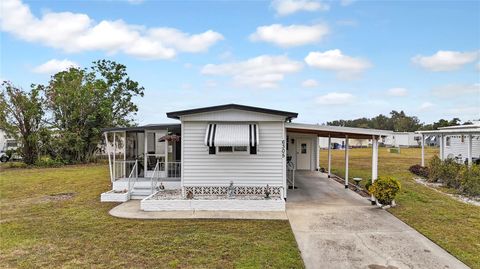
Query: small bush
[[385, 189], [434, 169], [368, 184], [46, 161], [14, 165], [450, 170], [470, 180], [419, 170]]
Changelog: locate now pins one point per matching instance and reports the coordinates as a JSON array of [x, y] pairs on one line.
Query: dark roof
[[169, 126], [178, 114]]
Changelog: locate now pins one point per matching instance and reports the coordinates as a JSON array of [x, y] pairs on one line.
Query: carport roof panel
[[335, 131], [171, 126]]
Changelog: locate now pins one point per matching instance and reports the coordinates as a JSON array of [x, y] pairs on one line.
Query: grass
[[453, 225], [39, 231]]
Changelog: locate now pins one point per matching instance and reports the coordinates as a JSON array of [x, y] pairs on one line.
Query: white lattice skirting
[[275, 191]]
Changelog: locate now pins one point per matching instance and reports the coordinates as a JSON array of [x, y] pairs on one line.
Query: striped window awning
[[231, 135]]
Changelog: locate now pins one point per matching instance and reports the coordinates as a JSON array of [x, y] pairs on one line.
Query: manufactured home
[[228, 157], [461, 142], [402, 139]]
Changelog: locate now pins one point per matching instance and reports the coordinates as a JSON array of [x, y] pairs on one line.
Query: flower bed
[[114, 196], [452, 175], [173, 201]]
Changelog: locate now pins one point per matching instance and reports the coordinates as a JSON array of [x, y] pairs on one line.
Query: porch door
[[155, 150], [304, 154]]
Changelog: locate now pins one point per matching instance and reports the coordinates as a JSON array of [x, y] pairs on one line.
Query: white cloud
[[346, 2], [397, 92], [211, 84], [335, 98], [135, 2], [445, 60], [289, 36], [333, 60], [77, 32], [264, 71], [287, 7], [426, 106], [467, 112], [54, 66], [186, 86], [310, 83], [185, 42], [453, 90]]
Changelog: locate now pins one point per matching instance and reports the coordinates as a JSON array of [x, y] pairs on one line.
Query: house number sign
[[283, 148]]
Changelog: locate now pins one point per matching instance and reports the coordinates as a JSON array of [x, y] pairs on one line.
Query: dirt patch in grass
[[63, 196]]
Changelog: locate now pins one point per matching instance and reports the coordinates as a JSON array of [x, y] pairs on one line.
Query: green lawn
[[453, 225], [37, 230]]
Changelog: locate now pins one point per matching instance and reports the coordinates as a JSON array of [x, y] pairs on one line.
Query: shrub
[[470, 180], [385, 189], [46, 161], [419, 170], [14, 165], [368, 184], [450, 170], [434, 169]]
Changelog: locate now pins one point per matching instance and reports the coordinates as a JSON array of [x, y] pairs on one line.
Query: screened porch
[[144, 153]]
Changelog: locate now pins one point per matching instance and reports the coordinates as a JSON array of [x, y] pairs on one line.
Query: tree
[[21, 116], [82, 102], [441, 123]]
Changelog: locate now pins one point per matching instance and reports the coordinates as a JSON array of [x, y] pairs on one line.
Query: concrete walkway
[[131, 210], [337, 228]]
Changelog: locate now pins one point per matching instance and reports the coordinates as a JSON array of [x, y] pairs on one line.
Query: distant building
[[339, 143], [7, 142], [403, 139]]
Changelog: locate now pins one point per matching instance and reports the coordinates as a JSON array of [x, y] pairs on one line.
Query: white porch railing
[[123, 169], [174, 169]]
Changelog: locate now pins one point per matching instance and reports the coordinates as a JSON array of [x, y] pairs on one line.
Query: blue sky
[[325, 60]]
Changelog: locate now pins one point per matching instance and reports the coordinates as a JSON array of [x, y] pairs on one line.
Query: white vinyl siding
[[232, 115], [202, 168], [457, 147]]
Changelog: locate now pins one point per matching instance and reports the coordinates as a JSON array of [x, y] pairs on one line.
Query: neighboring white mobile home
[[460, 142], [7, 142], [229, 157], [402, 139]]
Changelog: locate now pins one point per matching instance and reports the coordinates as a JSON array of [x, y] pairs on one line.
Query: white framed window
[[447, 142], [230, 149]]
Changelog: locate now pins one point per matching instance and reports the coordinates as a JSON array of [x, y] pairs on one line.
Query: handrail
[[130, 176], [155, 171]]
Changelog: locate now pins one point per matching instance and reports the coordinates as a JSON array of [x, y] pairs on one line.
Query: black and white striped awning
[[224, 134]]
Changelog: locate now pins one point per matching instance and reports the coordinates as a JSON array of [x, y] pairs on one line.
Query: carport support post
[[469, 150], [329, 155], [346, 162], [442, 142], [423, 150], [374, 164]]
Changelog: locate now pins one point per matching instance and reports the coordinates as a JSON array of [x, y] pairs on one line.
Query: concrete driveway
[[337, 228]]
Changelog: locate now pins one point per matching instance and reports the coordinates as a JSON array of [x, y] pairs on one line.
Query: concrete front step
[[140, 193]]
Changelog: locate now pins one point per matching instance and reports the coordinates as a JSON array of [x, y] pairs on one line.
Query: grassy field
[[453, 225], [53, 218]]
